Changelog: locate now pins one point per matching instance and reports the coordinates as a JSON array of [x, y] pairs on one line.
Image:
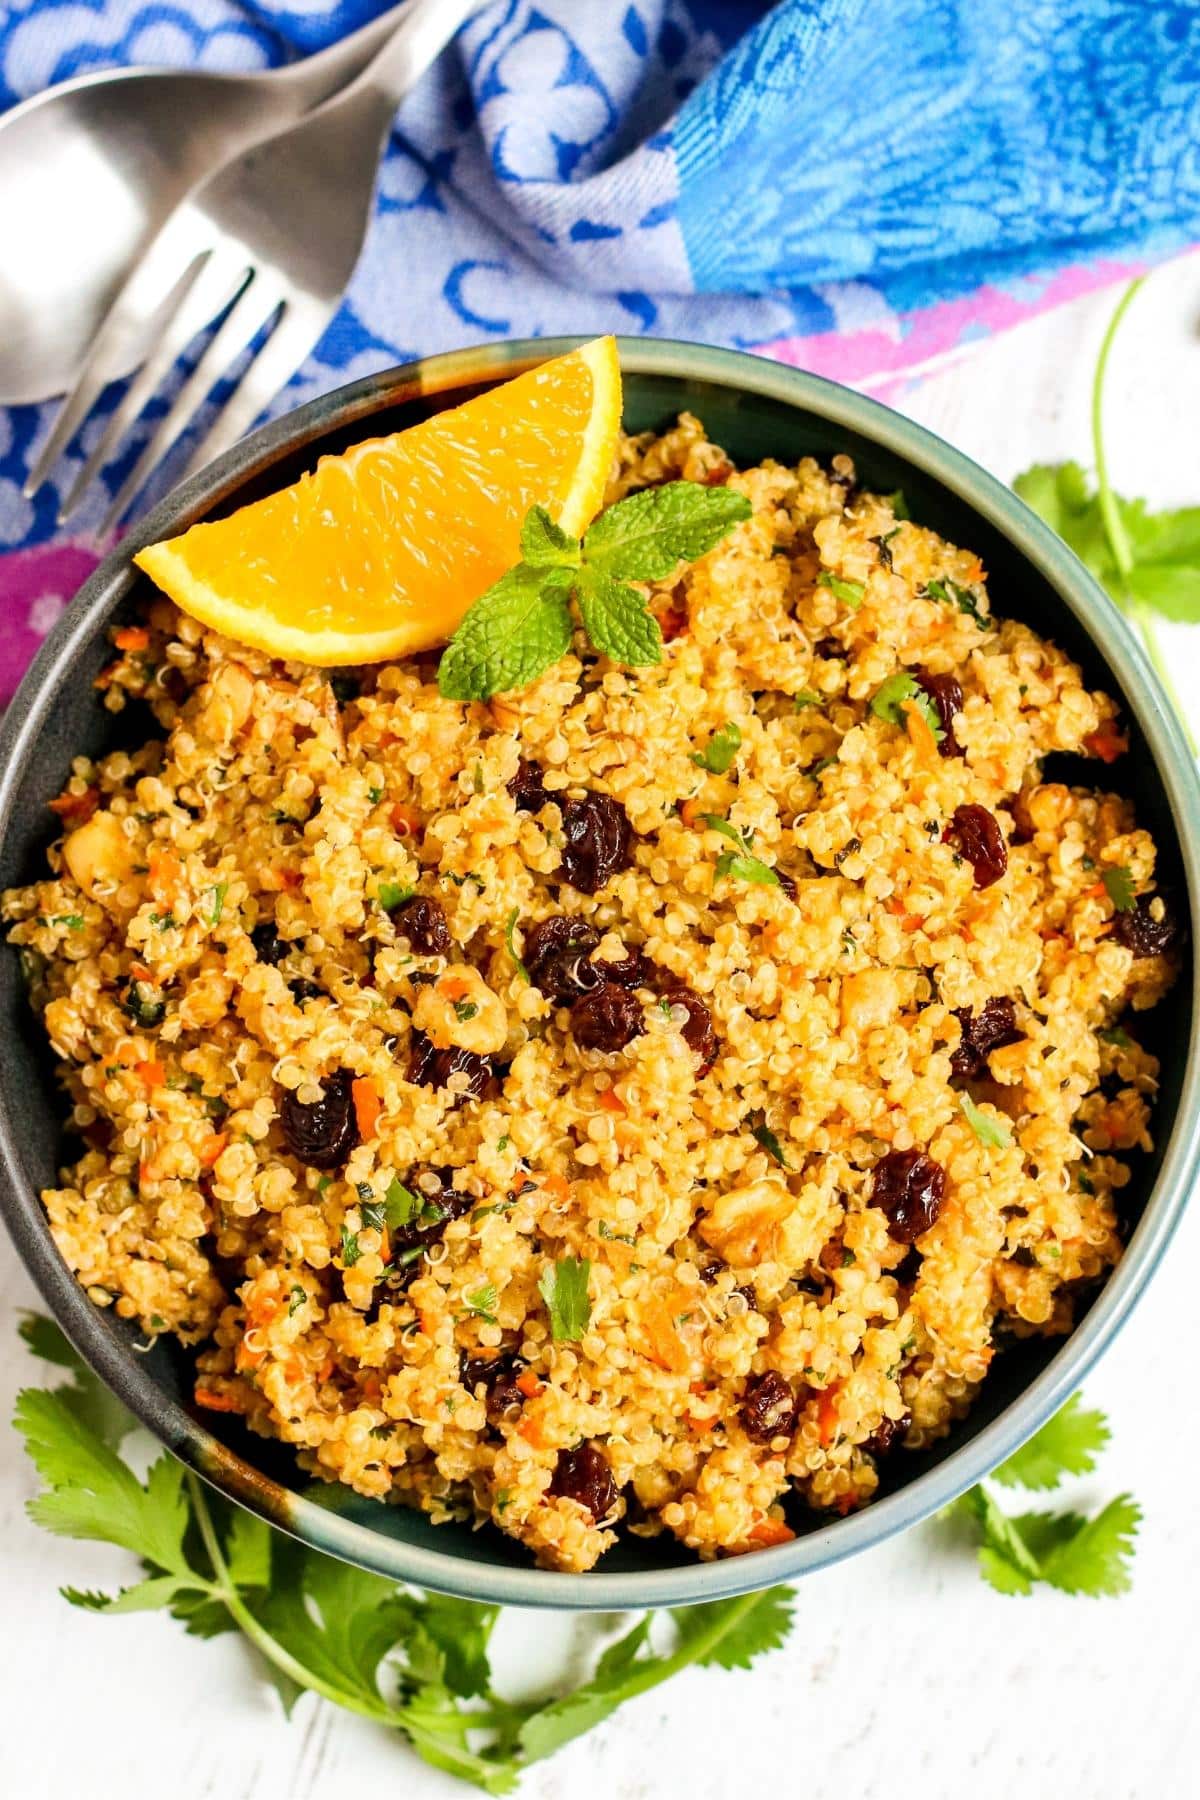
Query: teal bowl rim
[[927, 1493]]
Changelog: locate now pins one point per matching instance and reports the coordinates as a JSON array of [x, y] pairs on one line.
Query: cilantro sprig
[[741, 864], [524, 623], [564, 1288], [900, 691], [1072, 1551]]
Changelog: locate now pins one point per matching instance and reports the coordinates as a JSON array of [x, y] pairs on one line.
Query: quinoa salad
[[644, 1102]]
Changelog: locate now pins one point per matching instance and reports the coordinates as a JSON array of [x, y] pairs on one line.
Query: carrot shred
[[132, 637], [555, 1184], [827, 1413], [453, 987], [76, 807], [528, 1384], [920, 735], [367, 1105], [1107, 743], [404, 820], [611, 1101], [770, 1531], [689, 812], [211, 1401], [666, 1347], [164, 877], [212, 1147], [152, 1073], [531, 1430]]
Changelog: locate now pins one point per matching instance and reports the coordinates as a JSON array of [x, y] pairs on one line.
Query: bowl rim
[[927, 1493]]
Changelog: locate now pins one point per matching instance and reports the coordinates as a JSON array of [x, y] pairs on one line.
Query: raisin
[[500, 1375], [556, 956], [718, 475], [526, 787], [303, 989], [697, 1032], [323, 1134], [439, 1205], [910, 1188], [1023, 1257], [768, 1408], [597, 843], [994, 1025], [831, 648], [673, 623], [583, 1475], [946, 693], [607, 1018], [631, 971], [1141, 932], [885, 1439], [909, 1268], [423, 923], [975, 834], [433, 1068], [269, 947]]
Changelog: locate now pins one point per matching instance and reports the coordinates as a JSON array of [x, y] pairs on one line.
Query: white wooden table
[[905, 1675]]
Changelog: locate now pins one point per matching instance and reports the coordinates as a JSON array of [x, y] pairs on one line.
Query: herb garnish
[[718, 754], [900, 690], [509, 927], [513, 633], [762, 1134], [739, 863], [391, 894], [483, 1302], [996, 1134], [1118, 885], [296, 1299], [851, 592], [218, 902], [805, 698], [564, 1288], [350, 1247], [952, 593]]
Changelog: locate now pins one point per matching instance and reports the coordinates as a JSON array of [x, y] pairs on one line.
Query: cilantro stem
[[1114, 525], [225, 1590]]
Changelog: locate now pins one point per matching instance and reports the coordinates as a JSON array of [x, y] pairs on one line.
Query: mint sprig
[[523, 624]]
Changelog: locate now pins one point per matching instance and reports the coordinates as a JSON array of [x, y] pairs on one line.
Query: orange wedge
[[381, 551]]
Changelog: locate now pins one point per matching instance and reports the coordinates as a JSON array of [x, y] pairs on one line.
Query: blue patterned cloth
[[771, 176]]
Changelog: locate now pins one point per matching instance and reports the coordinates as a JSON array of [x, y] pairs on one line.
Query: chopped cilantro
[[1118, 885], [805, 698], [762, 1134], [350, 1249], [218, 902], [391, 894], [995, 1133], [564, 1288], [296, 1299], [509, 928], [483, 1302], [900, 691], [849, 591], [718, 754]]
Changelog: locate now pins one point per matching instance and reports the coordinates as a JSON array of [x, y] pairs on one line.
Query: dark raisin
[[808, 1284], [673, 623], [423, 923], [718, 475], [975, 834], [433, 1068], [710, 1270], [556, 956], [849, 849], [697, 1032], [584, 1475], [500, 1375], [831, 648], [608, 1018], [439, 1205], [303, 989], [632, 971], [1023, 1257], [526, 787], [946, 693], [994, 1025], [885, 551], [748, 1295], [910, 1188], [786, 882], [768, 1408], [323, 1134], [1141, 932], [907, 1270], [884, 1441], [269, 947], [598, 841]]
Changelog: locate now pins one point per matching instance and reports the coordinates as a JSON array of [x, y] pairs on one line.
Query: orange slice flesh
[[380, 551]]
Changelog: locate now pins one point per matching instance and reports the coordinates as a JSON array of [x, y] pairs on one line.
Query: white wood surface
[[905, 1675]]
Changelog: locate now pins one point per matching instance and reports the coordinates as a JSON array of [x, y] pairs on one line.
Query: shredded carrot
[[844, 1504], [76, 807], [212, 1147], [152, 1073], [611, 1101], [140, 972], [453, 987], [666, 1347], [689, 812], [367, 1105], [288, 878], [132, 637], [770, 1531], [165, 876], [698, 1425], [827, 1412], [214, 1402], [528, 1384], [556, 1184], [920, 735], [1107, 743], [247, 1358], [404, 820], [531, 1430], [428, 1323]]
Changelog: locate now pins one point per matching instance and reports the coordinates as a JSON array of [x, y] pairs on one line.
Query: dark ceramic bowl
[[755, 409]]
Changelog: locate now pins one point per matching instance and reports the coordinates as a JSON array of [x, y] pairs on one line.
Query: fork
[[266, 245]]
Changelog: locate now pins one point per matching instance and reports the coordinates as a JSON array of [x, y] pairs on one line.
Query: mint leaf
[[851, 592], [1118, 885], [995, 1133], [511, 635], [545, 545], [564, 1288], [718, 754], [617, 621], [645, 536], [1068, 1444], [888, 702]]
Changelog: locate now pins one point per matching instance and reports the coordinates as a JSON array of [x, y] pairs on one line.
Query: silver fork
[[270, 241]]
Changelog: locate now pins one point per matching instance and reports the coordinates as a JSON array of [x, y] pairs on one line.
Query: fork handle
[[318, 76], [415, 43]]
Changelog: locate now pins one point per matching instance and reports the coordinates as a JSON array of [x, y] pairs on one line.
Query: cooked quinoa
[[680, 1213]]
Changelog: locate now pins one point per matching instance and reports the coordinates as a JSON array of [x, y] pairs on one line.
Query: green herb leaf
[[805, 698], [1094, 1558], [740, 864], [851, 592], [1118, 885], [996, 1133], [616, 620], [400, 1205], [762, 1134], [645, 536], [465, 1010], [746, 1631], [889, 701], [1118, 1036], [1068, 1444], [483, 1302], [218, 902], [511, 635], [952, 593], [564, 1288], [509, 928], [393, 894], [296, 1298], [718, 754], [545, 545], [350, 1248]]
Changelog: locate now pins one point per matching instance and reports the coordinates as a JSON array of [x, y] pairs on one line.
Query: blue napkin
[[848, 184]]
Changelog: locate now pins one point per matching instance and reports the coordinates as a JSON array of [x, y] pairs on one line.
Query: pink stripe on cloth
[[35, 587]]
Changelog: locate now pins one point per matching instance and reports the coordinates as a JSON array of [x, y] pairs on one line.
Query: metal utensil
[[90, 169], [270, 241]]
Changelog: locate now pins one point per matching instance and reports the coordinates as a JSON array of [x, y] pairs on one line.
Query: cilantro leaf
[[617, 620], [511, 635], [851, 592], [646, 535], [400, 1205], [1118, 885], [805, 698], [729, 1634], [392, 894], [739, 863], [718, 754], [545, 545], [509, 927], [762, 1134], [483, 1302], [1094, 1559], [218, 902], [995, 1133], [564, 1288], [900, 690], [1067, 1444]]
